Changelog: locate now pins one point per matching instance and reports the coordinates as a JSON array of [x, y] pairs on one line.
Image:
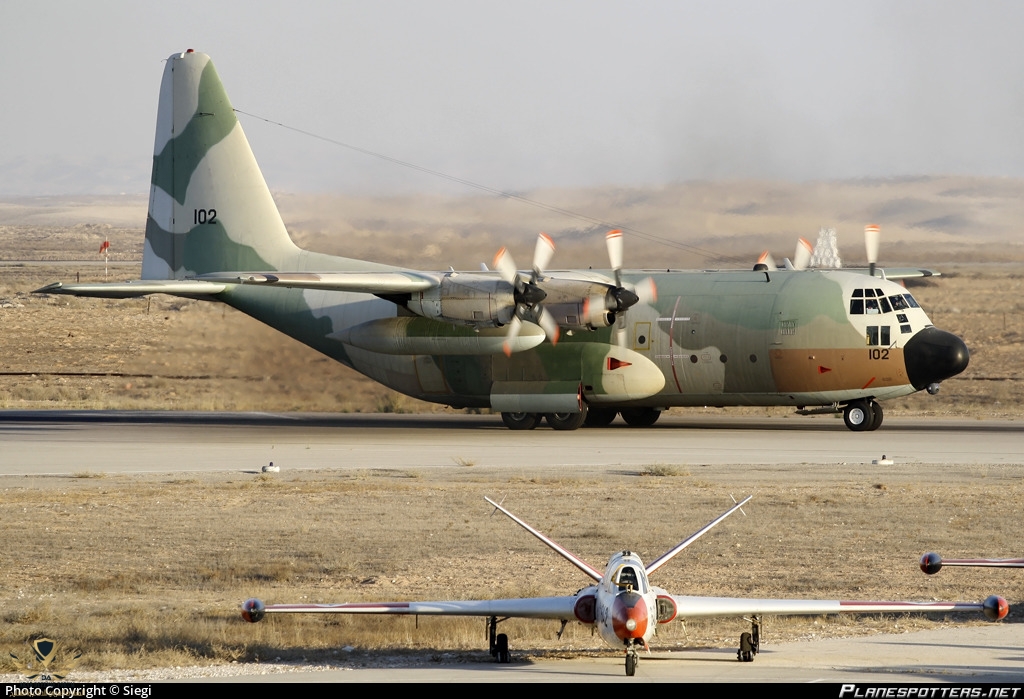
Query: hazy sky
[[522, 94]]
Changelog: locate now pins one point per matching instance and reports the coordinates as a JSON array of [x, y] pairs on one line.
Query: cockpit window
[[627, 578], [872, 301]]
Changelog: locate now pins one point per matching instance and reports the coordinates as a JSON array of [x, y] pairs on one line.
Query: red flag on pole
[[105, 246]]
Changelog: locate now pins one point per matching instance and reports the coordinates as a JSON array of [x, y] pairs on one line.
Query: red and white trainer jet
[[623, 606]]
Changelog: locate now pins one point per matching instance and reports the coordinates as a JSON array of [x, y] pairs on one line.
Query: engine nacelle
[[466, 299], [253, 610]]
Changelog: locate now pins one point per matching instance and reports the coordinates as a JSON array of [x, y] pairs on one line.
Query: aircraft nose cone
[[629, 616], [933, 355]]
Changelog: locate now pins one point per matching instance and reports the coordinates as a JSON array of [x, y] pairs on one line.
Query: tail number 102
[[203, 216]]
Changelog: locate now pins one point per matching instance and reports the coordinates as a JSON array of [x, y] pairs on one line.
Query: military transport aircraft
[[623, 606], [569, 347], [932, 563]]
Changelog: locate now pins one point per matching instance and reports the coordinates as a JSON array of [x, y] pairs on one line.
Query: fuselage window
[[898, 303], [871, 306], [884, 303], [856, 307], [858, 293], [905, 329], [911, 301], [876, 335], [869, 292]]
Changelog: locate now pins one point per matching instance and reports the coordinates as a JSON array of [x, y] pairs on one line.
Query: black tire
[[520, 421], [630, 664], [600, 417], [858, 415], [876, 416], [501, 653], [567, 421], [640, 417]]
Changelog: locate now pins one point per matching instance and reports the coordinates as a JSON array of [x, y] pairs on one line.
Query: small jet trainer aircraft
[[623, 606], [631, 343], [932, 563]]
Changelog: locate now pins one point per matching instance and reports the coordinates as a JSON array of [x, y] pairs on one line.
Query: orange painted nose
[[629, 616]]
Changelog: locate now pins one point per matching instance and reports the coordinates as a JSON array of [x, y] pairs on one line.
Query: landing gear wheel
[[501, 653], [746, 652], [640, 417], [876, 416], [520, 421], [858, 415], [567, 421], [600, 417], [630, 664]]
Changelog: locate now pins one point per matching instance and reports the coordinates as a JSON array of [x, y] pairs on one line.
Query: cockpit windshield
[[874, 302], [627, 579]]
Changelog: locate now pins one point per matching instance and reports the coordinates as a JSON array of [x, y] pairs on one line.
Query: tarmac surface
[[45, 443], [61, 442]]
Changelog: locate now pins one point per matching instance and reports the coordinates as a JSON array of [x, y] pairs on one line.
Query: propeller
[[526, 293], [645, 291], [767, 260], [872, 236], [802, 255]]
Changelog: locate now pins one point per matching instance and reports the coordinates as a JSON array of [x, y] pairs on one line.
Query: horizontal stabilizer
[[133, 289]]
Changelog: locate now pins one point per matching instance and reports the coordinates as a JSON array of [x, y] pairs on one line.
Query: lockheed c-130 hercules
[[570, 347]]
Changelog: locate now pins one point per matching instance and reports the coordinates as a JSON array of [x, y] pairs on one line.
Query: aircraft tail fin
[[668, 555], [210, 209], [557, 548]]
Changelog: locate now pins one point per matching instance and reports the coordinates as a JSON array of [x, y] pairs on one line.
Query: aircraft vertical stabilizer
[[209, 207]]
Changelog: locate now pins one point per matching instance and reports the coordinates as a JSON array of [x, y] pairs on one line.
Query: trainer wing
[[254, 610], [994, 607]]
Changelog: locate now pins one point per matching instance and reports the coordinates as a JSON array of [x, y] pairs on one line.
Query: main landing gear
[[750, 643], [557, 421], [498, 641], [863, 415]]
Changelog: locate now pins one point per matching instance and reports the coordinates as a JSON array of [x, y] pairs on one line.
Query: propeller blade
[[802, 256], [506, 267], [614, 241], [767, 259], [513, 333], [547, 321], [542, 254], [872, 237], [646, 291]]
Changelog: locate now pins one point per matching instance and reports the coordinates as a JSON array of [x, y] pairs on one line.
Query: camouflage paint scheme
[[716, 338]]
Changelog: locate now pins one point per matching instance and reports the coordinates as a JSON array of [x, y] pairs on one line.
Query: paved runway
[[68, 442], [981, 654]]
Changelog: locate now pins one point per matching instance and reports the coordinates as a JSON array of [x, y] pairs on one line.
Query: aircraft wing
[[359, 282], [127, 290], [528, 608], [896, 272], [696, 607]]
